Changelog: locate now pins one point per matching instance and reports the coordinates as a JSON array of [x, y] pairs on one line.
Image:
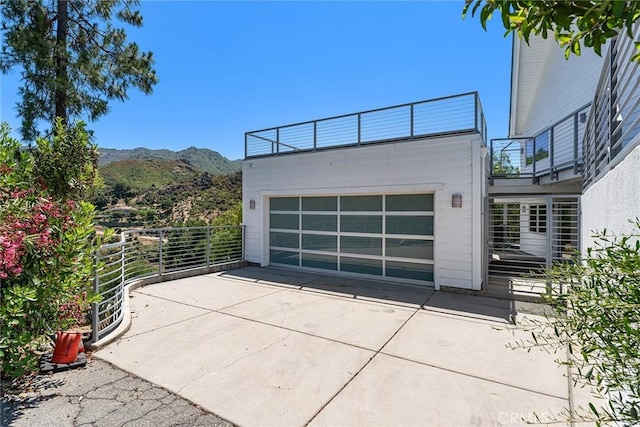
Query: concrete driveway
[[283, 348]]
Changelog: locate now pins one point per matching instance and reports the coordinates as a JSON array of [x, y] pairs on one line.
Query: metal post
[[245, 145], [491, 165], [533, 160], [359, 129], [549, 223], [160, 254], [575, 142], [551, 150], [475, 110], [411, 112], [243, 242], [315, 135], [95, 307], [208, 246], [277, 140]]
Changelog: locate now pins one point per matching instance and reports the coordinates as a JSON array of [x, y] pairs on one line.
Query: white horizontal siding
[[439, 165], [549, 86]]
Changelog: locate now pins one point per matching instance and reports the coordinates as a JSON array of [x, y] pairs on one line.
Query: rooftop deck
[[445, 116]]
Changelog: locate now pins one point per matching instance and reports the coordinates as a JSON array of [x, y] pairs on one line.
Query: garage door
[[387, 236]]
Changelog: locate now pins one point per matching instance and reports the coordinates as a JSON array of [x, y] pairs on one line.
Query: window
[[538, 218]]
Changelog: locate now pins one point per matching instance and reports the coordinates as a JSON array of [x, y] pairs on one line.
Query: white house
[[414, 193], [394, 193]]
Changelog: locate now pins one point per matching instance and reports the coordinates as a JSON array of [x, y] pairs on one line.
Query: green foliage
[[502, 165], [67, 163], [45, 253], [598, 318], [142, 174], [72, 59], [573, 23]]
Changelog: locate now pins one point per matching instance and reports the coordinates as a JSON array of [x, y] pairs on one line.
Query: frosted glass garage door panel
[[407, 270], [284, 203], [361, 203], [409, 248], [416, 225], [409, 202]]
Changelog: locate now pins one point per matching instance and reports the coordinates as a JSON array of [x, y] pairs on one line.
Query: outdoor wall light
[[252, 204], [456, 201]]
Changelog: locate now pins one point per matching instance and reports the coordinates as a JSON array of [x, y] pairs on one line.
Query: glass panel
[[320, 242], [361, 203], [410, 202], [284, 257], [361, 245], [361, 223], [320, 222], [284, 203], [319, 203], [408, 270], [286, 221], [409, 248], [363, 266], [326, 262], [418, 225], [284, 240]]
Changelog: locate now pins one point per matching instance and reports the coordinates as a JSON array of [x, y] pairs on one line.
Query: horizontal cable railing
[[614, 123], [556, 148], [441, 116], [149, 253]]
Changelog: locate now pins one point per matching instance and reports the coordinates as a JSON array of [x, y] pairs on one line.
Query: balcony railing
[[152, 253], [435, 117], [555, 149], [614, 124]]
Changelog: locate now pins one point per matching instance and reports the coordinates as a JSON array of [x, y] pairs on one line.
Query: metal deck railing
[[435, 117], [614, 125], [148, 253], [555, 149]]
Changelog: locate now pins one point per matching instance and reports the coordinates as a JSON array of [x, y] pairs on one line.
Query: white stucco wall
[[549, 86], [442, 165], [613, 200]]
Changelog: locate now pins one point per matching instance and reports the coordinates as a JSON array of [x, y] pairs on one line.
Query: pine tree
[[72, 59]]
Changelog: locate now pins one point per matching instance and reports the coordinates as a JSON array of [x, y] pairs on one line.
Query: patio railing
[[153, 253], [435, 117], [556, 148], [613, 128]]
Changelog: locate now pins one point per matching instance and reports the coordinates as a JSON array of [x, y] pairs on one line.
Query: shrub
[[597, 319], [45, 249]]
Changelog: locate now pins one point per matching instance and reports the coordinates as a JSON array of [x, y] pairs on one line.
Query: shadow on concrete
[[20, 397], [389, 292]]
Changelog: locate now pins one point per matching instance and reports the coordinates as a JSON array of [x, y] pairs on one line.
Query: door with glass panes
[[382, 235]]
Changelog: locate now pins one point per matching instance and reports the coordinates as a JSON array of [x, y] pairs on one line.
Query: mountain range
[[203, 159]]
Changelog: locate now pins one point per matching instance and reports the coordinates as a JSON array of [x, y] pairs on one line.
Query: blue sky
[[230, 67]]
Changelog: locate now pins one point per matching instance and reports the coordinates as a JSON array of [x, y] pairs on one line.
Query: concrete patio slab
[[152, 313], [209, 291], [396, 392], [372, 290], [272, 354], [477, 348], [246, 372], [359, 323], [274, 276]]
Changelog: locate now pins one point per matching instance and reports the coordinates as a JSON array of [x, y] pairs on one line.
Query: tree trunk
[[61, 62]]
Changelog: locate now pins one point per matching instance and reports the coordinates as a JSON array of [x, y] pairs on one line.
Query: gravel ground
[[98, 395]]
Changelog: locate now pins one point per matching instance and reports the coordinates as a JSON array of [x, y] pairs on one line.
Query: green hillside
[[201, 158], [138, 174]]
